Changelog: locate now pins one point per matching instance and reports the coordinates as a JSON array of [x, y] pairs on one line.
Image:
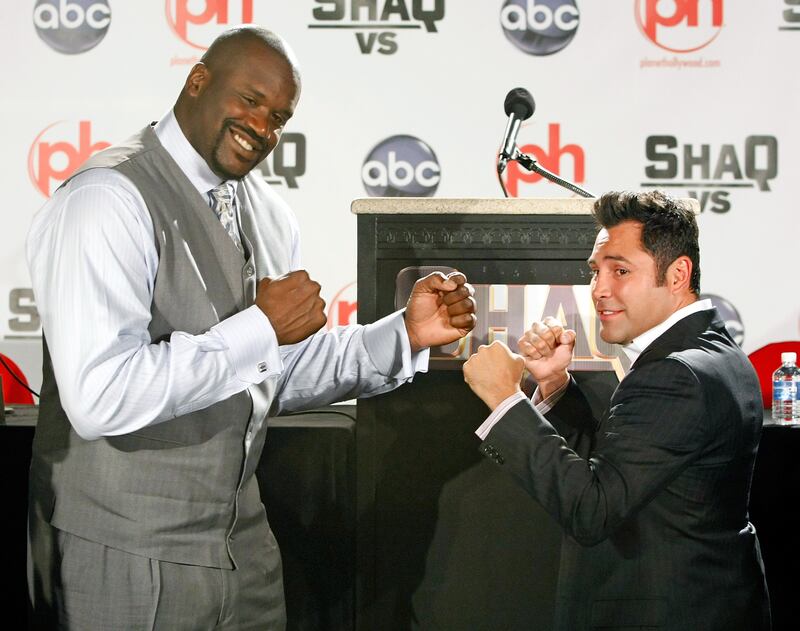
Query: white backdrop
[[700, 96]]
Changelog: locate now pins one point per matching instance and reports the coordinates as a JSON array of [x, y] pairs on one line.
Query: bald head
[[232, 46], [237, 99]]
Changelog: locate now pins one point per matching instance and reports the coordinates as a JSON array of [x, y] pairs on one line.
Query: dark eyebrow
[[607, 257]]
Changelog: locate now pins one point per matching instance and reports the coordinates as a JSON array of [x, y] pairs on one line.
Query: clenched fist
[[547, 350], [293, 306], [494, 373], [440, 310]]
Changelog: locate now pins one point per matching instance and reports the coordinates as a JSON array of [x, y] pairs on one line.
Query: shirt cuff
[[499, 412], [252, 345], [544, 406], [387, 344]]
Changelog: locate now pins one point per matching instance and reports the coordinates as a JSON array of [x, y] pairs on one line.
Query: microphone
[[519, 106]]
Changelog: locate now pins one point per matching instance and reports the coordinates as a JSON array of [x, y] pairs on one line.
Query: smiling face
[[234, 107], [625, 291]]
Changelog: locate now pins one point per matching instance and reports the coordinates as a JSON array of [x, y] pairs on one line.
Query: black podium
[[445, 540]]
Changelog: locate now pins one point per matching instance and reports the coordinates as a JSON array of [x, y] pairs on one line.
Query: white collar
[[638, 345], [192, 164]]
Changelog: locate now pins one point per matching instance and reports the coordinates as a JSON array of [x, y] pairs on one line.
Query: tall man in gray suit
[[653, 496], [176, 320]]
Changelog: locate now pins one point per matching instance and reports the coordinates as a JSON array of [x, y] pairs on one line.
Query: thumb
[[567, 337], [266, 280], [436, 282]]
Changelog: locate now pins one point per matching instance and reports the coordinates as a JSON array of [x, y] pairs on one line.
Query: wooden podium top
[[481, 206]]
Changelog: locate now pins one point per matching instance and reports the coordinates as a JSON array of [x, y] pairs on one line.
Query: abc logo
[[401, 166], [729, 314], [71, 26], [680, 26], [195, 21], [539, 27], [48, 161]]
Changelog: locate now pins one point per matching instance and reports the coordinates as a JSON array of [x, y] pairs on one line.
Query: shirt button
[[249, 270], [262, 367]]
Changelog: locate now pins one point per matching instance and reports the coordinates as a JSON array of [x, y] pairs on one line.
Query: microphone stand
[[531, 165]]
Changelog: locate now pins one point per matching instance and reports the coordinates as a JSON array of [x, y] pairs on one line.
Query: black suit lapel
[[680, 335]]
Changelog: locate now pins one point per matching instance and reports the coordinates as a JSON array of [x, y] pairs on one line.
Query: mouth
[[245, 141], [607, 314]]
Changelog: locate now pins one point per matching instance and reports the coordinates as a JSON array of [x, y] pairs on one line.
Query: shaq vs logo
[[198, 22], [791, 16], [539, 27], [401, 166], [504, 313], [376, 22], [680, 26], [551, 159], [24, 321], [58, 151], [709, 173], [286, 162], [71, 26]]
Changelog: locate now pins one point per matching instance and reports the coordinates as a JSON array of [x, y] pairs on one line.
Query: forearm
[[348, 362]]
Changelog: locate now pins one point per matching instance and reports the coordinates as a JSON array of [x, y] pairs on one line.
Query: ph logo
[[401, 166], [539, 27], [680, 26], [198, 27], [549, 158], [56, 160], [343, 309], [71, 26]]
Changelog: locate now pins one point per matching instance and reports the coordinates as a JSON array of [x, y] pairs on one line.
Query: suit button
[[499, 459], [249, 270]]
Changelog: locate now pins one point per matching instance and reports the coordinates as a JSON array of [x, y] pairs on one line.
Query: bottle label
[[785, 391]]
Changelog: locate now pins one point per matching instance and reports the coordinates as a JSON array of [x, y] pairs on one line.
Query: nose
[[258, 121], [600, 286]]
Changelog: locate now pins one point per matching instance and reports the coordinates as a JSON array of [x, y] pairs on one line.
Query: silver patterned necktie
[[221, 202]]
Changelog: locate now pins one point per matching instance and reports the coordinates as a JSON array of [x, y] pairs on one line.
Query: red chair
[[13, 391], [766, 361]]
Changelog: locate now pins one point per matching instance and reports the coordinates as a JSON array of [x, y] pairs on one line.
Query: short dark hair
[[669, 228]]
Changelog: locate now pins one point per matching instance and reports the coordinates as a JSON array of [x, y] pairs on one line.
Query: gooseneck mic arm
[[519, 106], [529, 163]]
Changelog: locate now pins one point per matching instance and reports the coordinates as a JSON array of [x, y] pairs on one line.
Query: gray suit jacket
[[653, 496]]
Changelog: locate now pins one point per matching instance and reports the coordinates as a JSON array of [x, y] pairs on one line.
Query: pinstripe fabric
[[142, 594], [183, 491], [652, 497]]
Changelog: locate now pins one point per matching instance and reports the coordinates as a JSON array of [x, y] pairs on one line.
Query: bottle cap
[[788, 357]]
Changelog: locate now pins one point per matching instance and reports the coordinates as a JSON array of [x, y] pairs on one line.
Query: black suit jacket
[[653, 496]]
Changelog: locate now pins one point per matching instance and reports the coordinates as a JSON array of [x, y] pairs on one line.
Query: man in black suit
[[653, 496]]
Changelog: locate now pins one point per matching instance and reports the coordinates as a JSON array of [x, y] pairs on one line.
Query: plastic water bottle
[[786, 390]]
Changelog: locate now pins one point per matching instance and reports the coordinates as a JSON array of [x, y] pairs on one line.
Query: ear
[[197, 80], [679, 275]]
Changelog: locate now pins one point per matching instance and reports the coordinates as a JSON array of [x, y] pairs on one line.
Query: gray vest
[[177, 490]]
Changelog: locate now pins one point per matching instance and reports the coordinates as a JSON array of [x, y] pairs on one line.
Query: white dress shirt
[[93, 263], [633, 349]]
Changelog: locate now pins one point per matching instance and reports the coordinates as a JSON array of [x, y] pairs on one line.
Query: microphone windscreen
[[520, 103]]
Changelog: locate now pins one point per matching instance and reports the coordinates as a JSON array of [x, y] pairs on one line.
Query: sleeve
[[347, 362], [93, 264], [653, 431]]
